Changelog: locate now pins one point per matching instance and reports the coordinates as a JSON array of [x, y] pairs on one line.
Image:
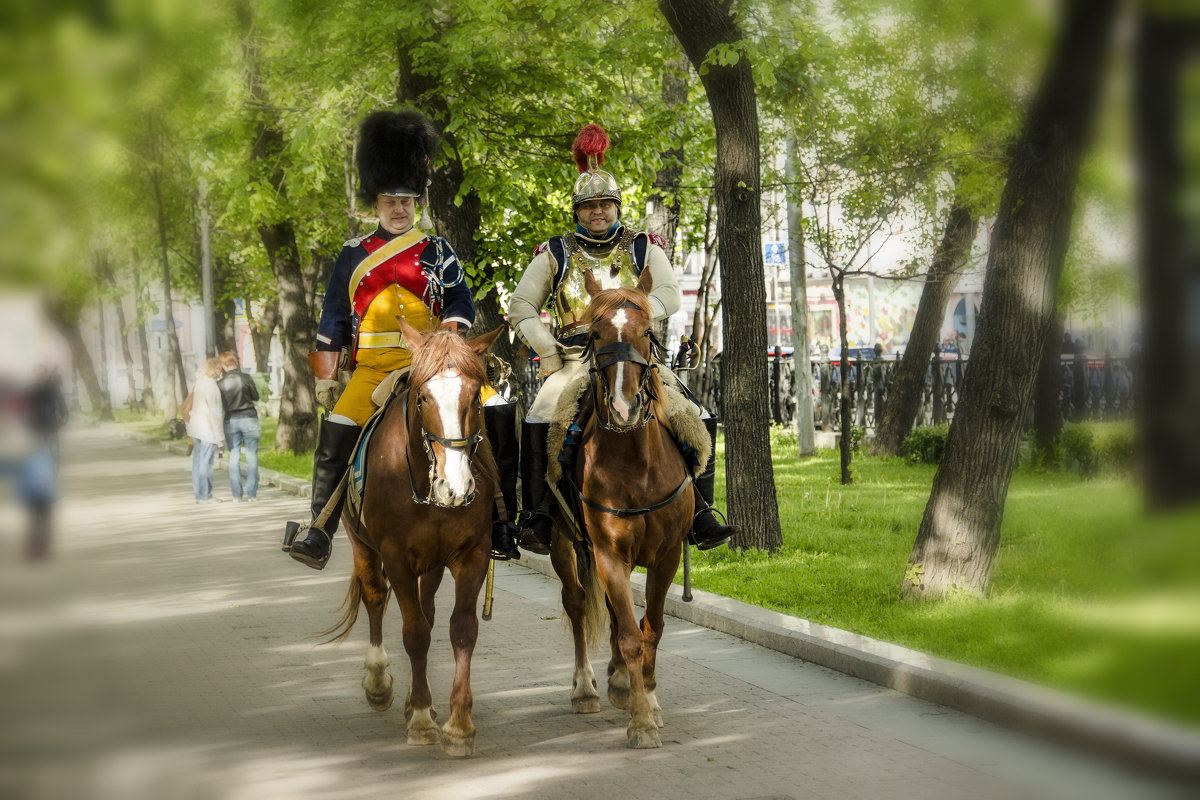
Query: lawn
[[1087, 595]]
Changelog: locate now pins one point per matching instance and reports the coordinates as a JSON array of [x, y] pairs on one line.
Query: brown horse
[[637, 505], [427, 506]]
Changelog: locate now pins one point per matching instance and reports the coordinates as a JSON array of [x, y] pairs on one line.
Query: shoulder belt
[[373, 260]]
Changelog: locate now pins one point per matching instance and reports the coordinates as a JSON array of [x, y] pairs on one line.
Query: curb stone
[[1143, 742]]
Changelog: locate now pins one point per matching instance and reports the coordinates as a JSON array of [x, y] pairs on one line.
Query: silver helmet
[[593, 183]]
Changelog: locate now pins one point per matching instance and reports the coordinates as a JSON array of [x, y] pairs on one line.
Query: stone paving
[[167, 651]]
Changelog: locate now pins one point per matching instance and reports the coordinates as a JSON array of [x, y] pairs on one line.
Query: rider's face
[[597, 216], [395, 214]]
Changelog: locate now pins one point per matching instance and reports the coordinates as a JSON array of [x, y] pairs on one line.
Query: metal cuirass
[[612, 269]]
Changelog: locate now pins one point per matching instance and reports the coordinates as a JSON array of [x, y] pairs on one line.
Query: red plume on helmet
[[590, 144]]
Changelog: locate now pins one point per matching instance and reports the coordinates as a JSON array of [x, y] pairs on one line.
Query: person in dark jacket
[[242, 428]]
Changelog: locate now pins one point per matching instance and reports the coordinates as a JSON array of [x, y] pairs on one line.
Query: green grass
[[1087, 594]]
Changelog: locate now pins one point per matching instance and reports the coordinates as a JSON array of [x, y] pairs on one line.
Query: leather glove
[[549, 365], [328, 392]]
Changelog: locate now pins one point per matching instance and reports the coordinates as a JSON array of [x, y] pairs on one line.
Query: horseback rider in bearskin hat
[[616, 255], [397, 270]]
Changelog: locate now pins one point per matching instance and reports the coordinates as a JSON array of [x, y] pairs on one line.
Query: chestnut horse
[[427, 505], [637, 504]]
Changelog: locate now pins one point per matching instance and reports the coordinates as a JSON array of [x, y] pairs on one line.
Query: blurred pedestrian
[[47, 408], [206, 426], [242, 428]]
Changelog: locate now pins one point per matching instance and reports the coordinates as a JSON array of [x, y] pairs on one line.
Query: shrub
[[1119, 450], [925, 444], [1078, 444], [1043, 459]]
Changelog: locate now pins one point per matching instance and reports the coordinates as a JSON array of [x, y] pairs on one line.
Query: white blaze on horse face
[[619, 406], [456, 483]]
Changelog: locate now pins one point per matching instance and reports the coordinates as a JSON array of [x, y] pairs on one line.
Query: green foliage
[[925, 444], [1118, 449], [1078, 444]]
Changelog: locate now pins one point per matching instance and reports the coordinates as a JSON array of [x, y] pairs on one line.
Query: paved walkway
[[165, 652]]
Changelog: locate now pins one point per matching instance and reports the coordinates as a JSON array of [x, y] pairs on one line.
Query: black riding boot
[[501, 425], [330, 461], [707, 530], [536, 520]]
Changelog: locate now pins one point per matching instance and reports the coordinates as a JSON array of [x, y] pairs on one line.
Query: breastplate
[[612, 269]]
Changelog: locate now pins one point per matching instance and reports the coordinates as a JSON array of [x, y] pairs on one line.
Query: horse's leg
[[584, 697], [417, 707], [429, 584], [658, 580], [377, 683], [614, 574], [458, 734], [618, 673]]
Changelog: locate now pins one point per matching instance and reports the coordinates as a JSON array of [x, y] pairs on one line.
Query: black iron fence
[[1090, 388]]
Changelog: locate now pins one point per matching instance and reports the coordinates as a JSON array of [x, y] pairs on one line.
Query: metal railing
[[1090, 388]]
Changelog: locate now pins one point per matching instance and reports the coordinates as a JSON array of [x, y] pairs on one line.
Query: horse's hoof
[[585, 705], [379, 692], [618, 697], [642, 739], [424, 736], [381, 701], [656, 717], [458, 746]]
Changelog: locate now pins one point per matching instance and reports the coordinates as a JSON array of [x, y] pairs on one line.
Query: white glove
[[328, 392], [549, 365]]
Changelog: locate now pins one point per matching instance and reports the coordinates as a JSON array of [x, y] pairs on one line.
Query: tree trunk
[[1047, 409], [143, 339], [845, 424], [174, 353], [262, 332], [701, 25], [457, 222], [66, 320], [1167, 367], [908, 381], [106, 275], [806, 435], [297, 430], [960, 531], [662, 216]]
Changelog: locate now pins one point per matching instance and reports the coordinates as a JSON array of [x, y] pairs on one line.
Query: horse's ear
[[412, 337], [646, 281], [590, 283], [481, 343]]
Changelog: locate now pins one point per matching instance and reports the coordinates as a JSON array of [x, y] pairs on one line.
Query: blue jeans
[[202, 468], [243, 432]]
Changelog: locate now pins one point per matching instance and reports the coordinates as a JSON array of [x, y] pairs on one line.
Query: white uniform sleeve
[[524, 308], [665, 297]]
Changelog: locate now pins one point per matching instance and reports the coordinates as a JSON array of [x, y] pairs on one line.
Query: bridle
[[463, 443], [603, 358], [615, 353]]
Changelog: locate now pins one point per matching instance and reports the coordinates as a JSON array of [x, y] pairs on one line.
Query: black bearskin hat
[[395, 152]]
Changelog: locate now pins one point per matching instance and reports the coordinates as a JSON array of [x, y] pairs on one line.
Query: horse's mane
[[604, 304], [444, 349]]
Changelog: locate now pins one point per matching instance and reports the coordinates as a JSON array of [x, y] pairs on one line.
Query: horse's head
[[623, 376], [446, 376]]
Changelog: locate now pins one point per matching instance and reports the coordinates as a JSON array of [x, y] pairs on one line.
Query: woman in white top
[[206, 426]]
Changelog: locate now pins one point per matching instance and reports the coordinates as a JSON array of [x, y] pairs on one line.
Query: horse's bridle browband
[[459, 443]]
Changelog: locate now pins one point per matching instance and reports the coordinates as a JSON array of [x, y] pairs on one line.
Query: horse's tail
[[341, 629], [595, 613]]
